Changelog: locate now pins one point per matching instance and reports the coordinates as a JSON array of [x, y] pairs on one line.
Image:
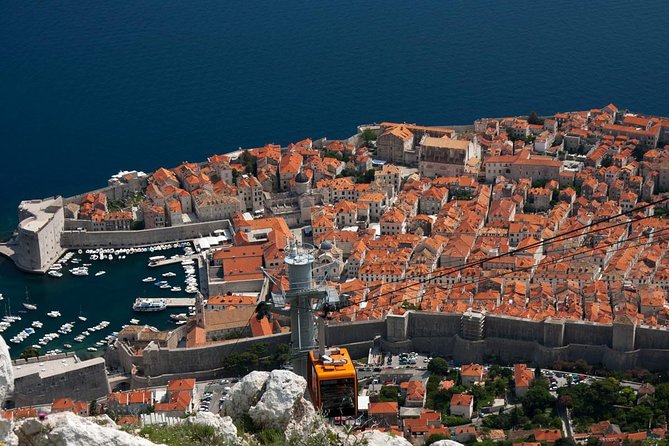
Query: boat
[[67, 345], [179, 317], [149, 279], [27, 305], [100, 273], [53, 313], [92, 349], [165, 286], [181, 322], [55, 273], [169, 274], [81, 316], [176, 289], [134, 321], [148, 305], [80, 271], [37, 324]]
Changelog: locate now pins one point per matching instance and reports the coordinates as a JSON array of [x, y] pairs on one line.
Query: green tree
[[29, 352], [434, 438], [388, 393], [438, 366], [368, 135], [607, 161], [533, 118], [538, 398], [93, 408]]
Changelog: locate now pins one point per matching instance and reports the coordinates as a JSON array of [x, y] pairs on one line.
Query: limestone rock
[[276, 405], [378, 438], [223, 426], [244, 394], [447, 443], [69, 429], [6, 371]]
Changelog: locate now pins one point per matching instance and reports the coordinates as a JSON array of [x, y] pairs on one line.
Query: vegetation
[[368, 135], [461, 194], [606, 399], [438, 366], [257, 357], [607, 161], [29, 352], [249, 162], [534, 119], [434, 438], [125, 203], [183, 435]]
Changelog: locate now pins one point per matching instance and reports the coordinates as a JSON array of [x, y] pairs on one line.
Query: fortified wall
[[469, 337], [42, 380], [127, 239]]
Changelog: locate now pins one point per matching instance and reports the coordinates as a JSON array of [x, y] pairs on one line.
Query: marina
[[84, 301], [171, 302]]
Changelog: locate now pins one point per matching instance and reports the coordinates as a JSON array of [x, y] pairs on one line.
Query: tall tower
[[199, 310], [300, 260]]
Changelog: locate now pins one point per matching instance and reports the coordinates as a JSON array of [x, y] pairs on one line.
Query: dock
[[174, 301], [171, 261]]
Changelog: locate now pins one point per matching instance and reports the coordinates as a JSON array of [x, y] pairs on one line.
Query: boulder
[[223, 426], [6, 371], [377, 438], [67, 428], [276, 406], [244, 394], [447, 443]]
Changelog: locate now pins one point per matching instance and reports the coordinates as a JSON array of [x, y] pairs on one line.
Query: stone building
[[41, 223]]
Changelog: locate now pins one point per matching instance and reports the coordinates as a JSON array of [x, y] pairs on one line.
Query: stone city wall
[[82, 383], [126, 239]]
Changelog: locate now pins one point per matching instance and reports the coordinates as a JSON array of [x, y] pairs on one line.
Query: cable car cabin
[[333, 386]]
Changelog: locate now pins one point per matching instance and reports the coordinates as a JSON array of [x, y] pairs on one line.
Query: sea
[[90, 88]]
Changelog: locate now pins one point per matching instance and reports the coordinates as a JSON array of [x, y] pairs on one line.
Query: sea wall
[[143, 237]]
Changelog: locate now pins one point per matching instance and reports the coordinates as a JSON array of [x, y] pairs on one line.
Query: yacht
[[67, 345], [29, 306], [92, 349], [100, 273], [147, 305], [149, 279], [165, 286], [176, 289], [179, 317], [37, 324], [134, 321], [53, 313], [169, 274], [55, 273], [80, 271]]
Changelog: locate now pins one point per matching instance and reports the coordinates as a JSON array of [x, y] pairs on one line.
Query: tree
[[607, 161], [438, 366], [534, 119], [93, 408], [537, 399], [29, 352], [388, 393], [434, 438], [368, 135]]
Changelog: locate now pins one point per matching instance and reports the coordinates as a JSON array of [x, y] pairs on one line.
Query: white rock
[[245, 394], [222, 425], [378, 438], [7, 436], [66, 428], [446, 443], [275, 409], [6, 371]]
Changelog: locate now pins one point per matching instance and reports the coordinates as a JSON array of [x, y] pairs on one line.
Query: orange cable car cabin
[[332, 382]]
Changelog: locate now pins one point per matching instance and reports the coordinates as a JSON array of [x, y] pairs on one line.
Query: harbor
[[83, 307], [171, 301]]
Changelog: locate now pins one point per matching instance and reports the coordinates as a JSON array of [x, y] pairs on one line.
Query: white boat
[[37, 324], [28, 306], [67, 345], [175, 289], [169, 274], [53, 313], [148, 305], [55, 273], [165, 286], [134, 321], [100, 273], [83, 318], [92, 349], [149, 279], [181, 322], [81, 271]]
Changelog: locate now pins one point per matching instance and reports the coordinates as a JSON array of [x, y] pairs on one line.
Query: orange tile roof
[[187, 384]]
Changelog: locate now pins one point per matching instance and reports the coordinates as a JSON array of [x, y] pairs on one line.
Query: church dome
[[326, 246]]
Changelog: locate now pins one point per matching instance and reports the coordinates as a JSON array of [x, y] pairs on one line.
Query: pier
[[173, 301], [171, 261]]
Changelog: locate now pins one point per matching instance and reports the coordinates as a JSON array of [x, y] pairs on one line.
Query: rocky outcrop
[[446, 443], [273, 400], [245, 394], [223, 426], [69, 429], [377, 438]]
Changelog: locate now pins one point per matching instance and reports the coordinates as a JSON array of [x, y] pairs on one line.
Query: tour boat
[[145, 305], [149, 279], [100, 273]]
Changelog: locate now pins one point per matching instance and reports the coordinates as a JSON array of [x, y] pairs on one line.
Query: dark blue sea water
[[88, 88]]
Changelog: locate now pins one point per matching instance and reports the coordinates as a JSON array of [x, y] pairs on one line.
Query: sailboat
[[27, 305], [81, 317]]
